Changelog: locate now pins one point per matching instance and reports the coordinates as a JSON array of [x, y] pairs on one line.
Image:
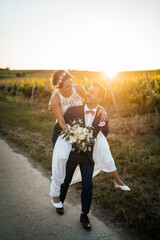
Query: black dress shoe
[[60, 211], [85, 222]]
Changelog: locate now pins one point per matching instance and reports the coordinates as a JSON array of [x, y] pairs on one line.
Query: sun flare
[[110, 73]]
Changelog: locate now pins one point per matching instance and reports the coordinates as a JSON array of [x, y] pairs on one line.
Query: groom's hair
[[101, 90]]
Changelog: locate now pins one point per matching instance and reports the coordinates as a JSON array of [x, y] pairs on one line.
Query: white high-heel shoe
[[57, 205], [124, 187]]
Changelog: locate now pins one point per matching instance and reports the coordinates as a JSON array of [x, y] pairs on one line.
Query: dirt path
[[26, 211]]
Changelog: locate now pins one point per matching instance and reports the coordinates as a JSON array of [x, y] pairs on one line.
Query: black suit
[[74, 113], [84, 160]]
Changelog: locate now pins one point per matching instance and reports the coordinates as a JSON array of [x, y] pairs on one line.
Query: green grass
[[138, 164], [137, 161], [30, 128]]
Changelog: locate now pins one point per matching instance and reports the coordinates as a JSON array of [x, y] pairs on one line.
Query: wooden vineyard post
[[18, 87], [50, 85], [113, 97], [5, 87], [153, 96], [85, 79], [33, 90], [47, 86], [12, 87]]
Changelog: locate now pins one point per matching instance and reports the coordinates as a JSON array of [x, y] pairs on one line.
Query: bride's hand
[[102, 113], [63, 125]]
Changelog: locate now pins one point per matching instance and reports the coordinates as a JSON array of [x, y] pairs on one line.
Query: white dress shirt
[[89, 118]]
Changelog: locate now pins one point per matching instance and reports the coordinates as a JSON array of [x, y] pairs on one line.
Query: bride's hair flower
[[79, 136]]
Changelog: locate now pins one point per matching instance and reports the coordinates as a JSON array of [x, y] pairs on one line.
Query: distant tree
[[7, 69]]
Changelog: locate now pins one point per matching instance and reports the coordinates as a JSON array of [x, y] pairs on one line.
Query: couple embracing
[[71, 102]]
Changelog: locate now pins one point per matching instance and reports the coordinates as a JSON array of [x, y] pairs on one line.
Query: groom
[[89, 116]]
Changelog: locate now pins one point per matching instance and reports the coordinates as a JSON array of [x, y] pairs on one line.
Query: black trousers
[[56, 131], [86, 168]]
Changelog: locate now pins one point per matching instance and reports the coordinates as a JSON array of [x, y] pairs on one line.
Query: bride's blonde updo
[[59, 77]]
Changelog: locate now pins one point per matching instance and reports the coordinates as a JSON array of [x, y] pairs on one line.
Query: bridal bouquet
[[79, 136]]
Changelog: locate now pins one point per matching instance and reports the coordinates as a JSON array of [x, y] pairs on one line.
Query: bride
[[67, 95]]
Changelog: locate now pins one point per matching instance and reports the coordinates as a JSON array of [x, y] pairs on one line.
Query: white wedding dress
[[101, 152]]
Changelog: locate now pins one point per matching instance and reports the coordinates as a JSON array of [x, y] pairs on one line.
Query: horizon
[[82, 70]]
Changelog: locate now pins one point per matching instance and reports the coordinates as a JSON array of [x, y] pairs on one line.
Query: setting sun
[[110, 73]]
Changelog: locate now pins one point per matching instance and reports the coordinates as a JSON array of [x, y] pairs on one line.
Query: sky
[[97, 35]]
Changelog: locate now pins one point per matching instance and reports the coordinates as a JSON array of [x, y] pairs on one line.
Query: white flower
[[72, 139], [81, 136]]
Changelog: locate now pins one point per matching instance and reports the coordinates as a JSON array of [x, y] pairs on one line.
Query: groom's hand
[[102, 113]]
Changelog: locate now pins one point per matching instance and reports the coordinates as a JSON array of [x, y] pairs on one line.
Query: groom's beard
[[87, 99], [90, 101]]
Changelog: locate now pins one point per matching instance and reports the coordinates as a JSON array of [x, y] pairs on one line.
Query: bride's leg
[[59, 161], [117, 179]]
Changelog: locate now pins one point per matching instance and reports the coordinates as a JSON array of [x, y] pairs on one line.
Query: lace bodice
[[73, 100]]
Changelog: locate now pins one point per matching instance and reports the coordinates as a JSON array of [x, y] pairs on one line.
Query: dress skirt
[[101, 155]]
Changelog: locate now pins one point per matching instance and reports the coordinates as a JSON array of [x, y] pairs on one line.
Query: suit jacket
[[73, 113]]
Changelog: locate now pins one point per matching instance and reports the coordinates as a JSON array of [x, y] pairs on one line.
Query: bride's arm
[[80, 90], [56, 107]]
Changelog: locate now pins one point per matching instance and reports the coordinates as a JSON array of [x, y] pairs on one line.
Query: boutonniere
[[101, 124]]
